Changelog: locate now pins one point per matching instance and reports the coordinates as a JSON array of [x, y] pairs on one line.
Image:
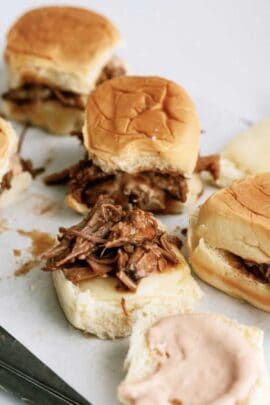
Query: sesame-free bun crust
[[62, 46], [8, 145], [222, 271], [237, 219], [50, 115], [98, 307], [142, 123]]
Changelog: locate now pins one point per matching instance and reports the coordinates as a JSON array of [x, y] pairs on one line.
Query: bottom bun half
[[98, 307], [50, 115], [222, 271], [141, 364]]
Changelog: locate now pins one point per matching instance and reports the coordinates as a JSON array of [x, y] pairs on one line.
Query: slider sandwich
[[229, 240], [54, 57], [13, 175], [142, 138], [116, 264], [195, 359]]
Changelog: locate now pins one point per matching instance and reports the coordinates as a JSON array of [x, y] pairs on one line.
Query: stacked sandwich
[[54, 57], [142, 137]]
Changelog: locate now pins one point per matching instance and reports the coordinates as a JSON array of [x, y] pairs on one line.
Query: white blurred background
[[218, 50]]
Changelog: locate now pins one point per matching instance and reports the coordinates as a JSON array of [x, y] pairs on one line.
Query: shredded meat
[[260, 270], [5, 183], [149, 191], [210, 164], [114, 68], [110, 241], [257, 271], [31, 93], [34, 92]]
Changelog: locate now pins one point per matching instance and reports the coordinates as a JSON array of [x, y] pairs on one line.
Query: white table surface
[[218, 50]]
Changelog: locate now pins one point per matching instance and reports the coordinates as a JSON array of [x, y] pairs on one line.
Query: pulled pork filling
[[114, 68], [127, 245], [261, 271], [33, 92], [258, 271], [210, 163], [146, 190]]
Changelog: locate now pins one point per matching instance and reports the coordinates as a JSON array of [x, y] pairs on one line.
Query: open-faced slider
[[116, 264]]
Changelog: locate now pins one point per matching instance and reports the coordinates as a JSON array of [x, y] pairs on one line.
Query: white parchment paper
[[28, 305]]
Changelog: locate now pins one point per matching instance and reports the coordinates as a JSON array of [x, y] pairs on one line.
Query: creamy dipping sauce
[[203, 360]]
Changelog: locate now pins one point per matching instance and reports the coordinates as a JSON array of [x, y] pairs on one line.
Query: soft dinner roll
[[115, 265], [195, 359], [142, 137], [142, 123], [54, 57], [229, 240], [246, 153], [13, 179]]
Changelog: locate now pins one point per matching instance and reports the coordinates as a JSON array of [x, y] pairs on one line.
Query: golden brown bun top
[[67, 37], [238, 218], [136, 123]]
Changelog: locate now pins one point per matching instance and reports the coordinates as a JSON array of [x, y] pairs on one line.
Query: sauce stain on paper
[[43, 205], [41, 242], [26, 267], [17, 252]]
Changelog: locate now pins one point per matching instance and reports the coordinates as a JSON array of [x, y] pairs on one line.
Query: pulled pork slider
[[142, 137], [116, 264], [198, 358], [55, 56], [13, 176], [229, 240]]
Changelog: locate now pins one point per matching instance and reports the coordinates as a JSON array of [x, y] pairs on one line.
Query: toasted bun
[[8, 146], [50, 115], [220, 269], [237, 219], [141, 363], [61, 46], [142, 123], [98, 307], [19, 183], [195, 187]]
